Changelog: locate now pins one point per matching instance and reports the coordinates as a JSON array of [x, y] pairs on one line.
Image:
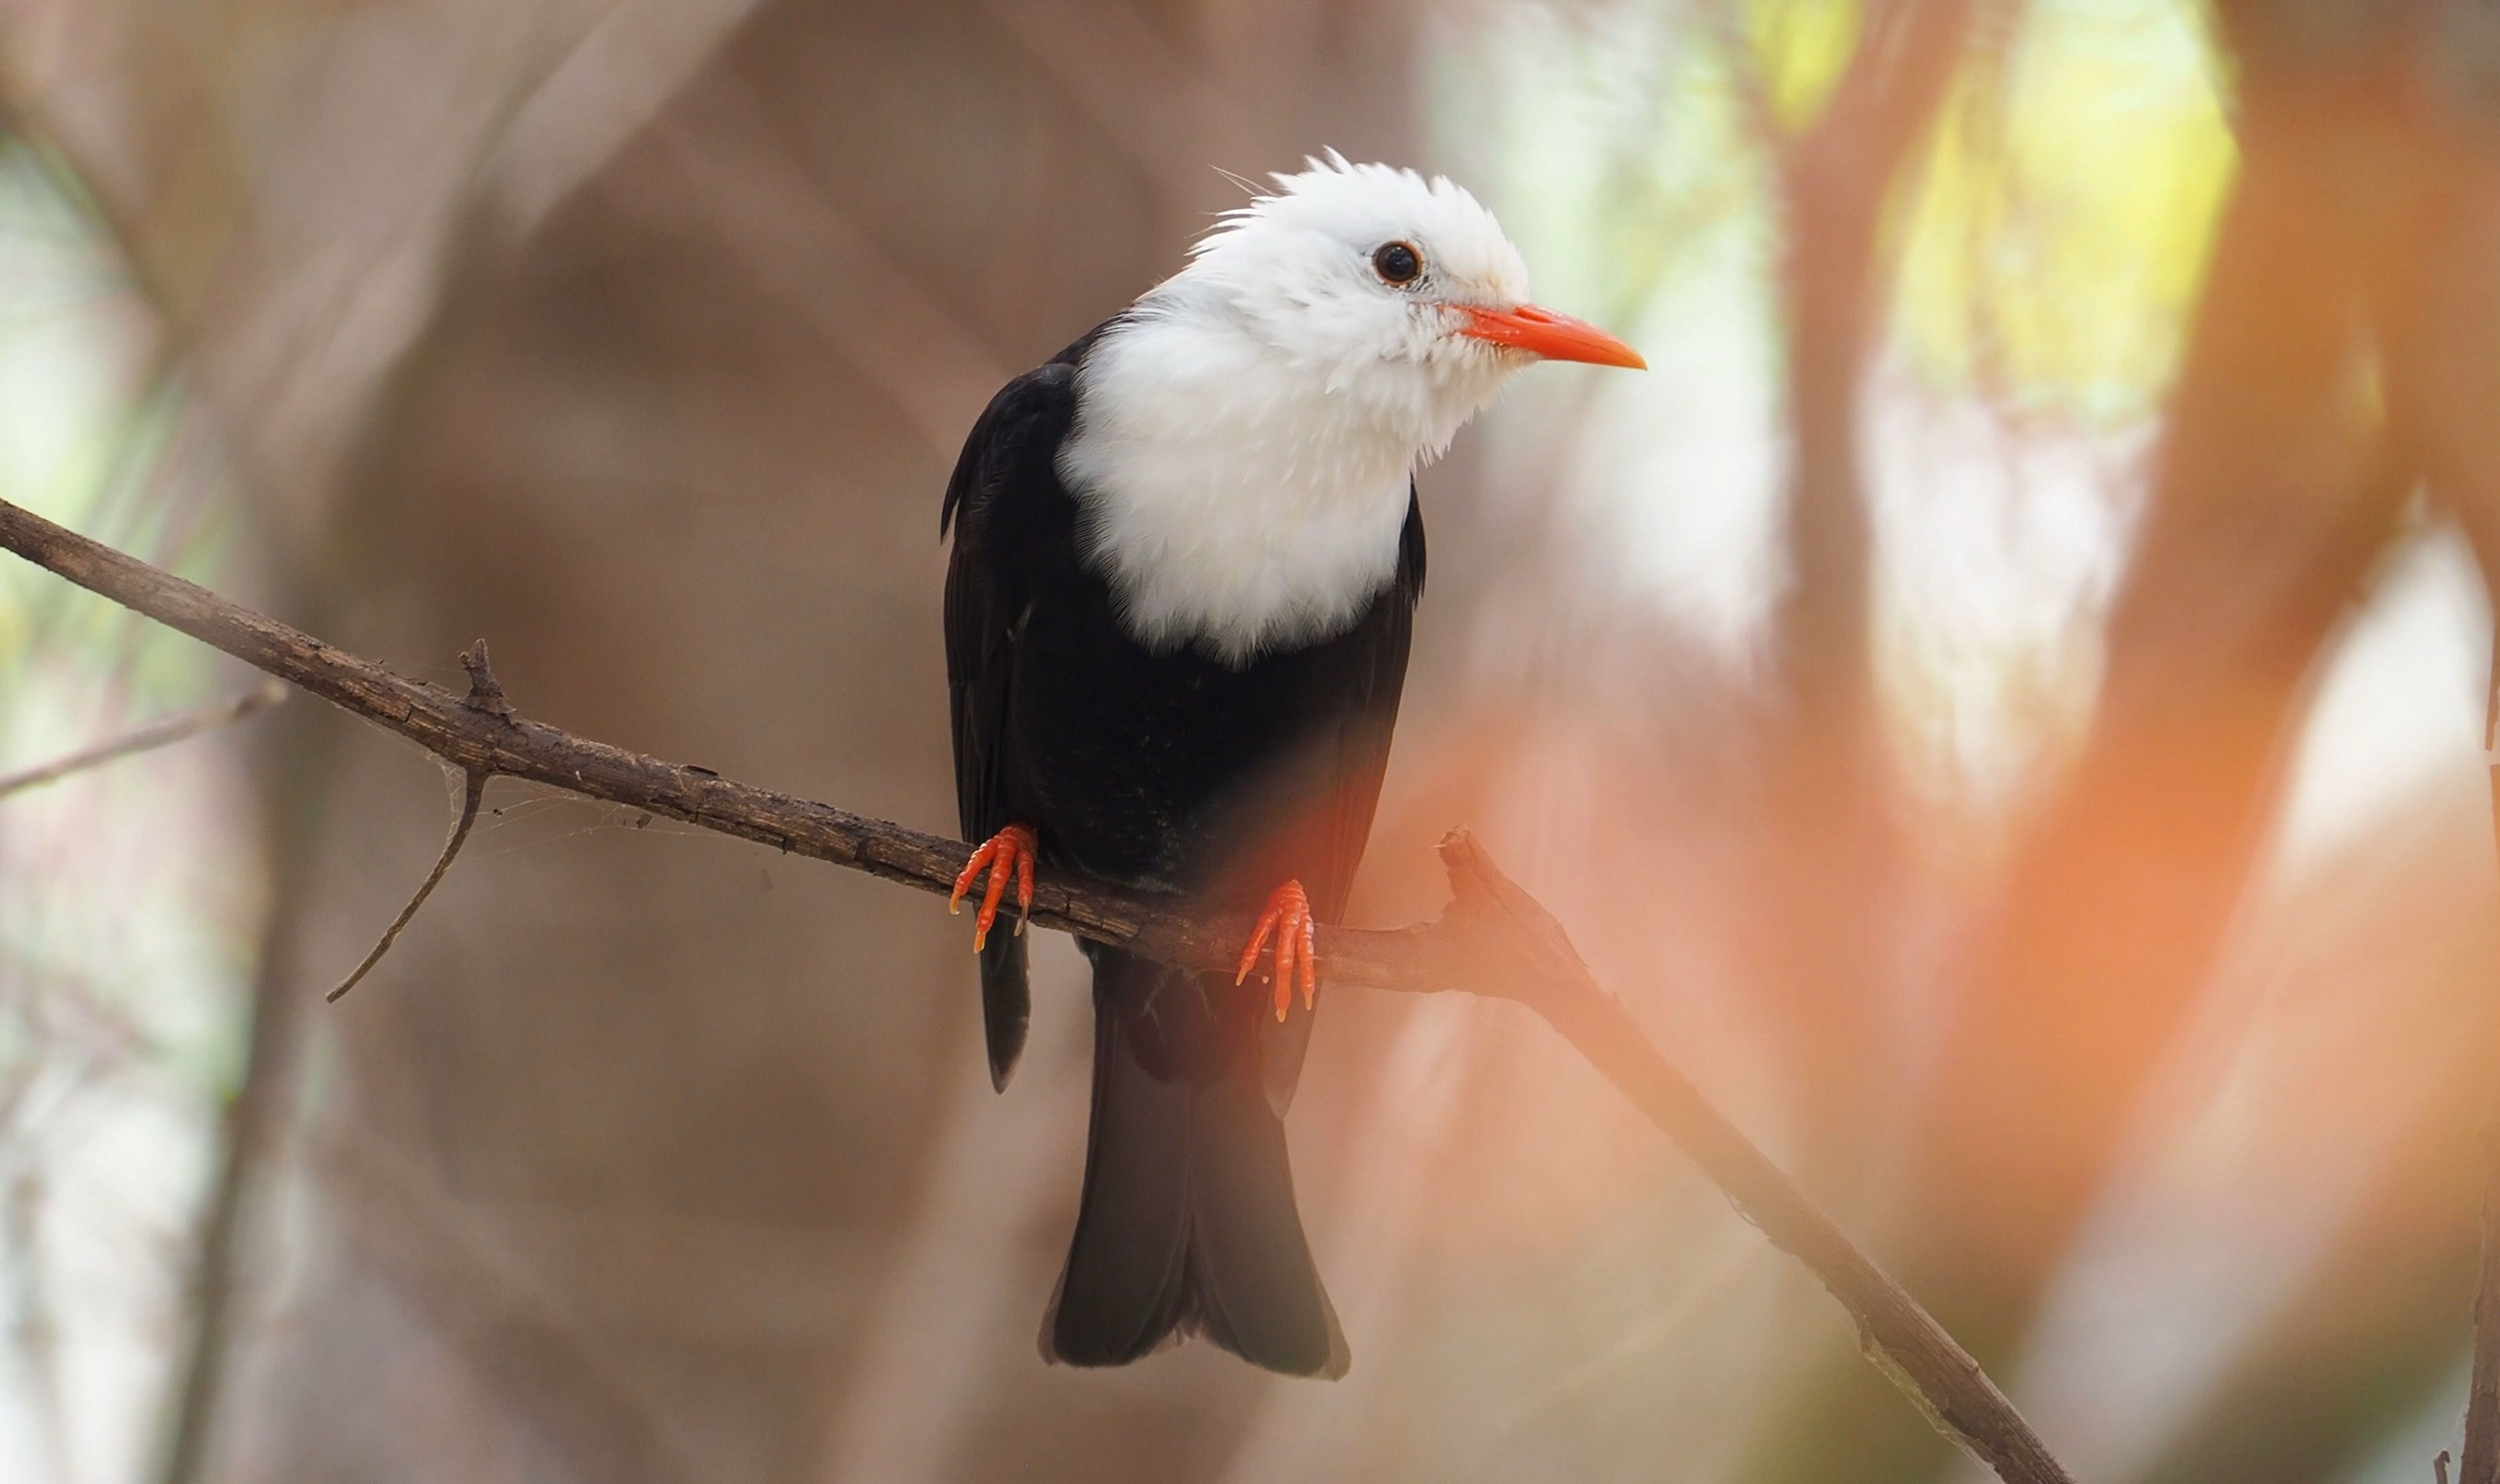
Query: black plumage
[[1176, 772]]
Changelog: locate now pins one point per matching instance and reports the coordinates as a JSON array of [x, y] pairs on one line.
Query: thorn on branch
[[472, 793], [485, 692]]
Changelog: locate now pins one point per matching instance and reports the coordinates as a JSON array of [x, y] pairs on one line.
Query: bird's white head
[[1247, 432], [1399, 293]]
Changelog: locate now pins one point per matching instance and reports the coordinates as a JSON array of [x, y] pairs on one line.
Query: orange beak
[[1555, 337]]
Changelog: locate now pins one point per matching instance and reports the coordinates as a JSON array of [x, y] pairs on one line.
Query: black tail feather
[[1256, 1292], [1007, 1001], [1124, 1290], [1186, 1223]]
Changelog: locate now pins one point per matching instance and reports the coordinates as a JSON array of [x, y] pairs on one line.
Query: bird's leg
[[1007, 854], [1288, 918]]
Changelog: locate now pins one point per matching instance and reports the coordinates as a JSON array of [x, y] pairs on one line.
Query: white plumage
[[1246, 433]]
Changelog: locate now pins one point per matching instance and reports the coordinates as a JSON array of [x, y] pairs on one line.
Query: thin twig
[[1493, 940], [2439, 1466], [486, 697], [160, 733], [473, 792]]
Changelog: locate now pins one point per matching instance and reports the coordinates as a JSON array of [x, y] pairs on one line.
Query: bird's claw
[[1288, 919], [1008, 854]]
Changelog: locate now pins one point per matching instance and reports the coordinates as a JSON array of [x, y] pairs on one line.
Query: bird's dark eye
[[1398, 263]]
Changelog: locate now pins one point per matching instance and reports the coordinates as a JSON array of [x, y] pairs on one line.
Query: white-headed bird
[[1186, 554]]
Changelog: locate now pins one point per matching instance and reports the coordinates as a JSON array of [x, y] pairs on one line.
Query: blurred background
[[2001, 699]]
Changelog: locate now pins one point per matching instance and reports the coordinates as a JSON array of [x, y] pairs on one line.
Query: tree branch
[[162, 732], [1493, 939]]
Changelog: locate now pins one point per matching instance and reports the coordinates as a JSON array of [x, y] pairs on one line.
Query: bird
[[1186, 557]]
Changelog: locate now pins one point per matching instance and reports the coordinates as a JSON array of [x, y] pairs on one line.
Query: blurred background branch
[[141, 738]]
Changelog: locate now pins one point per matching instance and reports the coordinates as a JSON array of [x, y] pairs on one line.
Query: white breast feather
[[1229, 499]]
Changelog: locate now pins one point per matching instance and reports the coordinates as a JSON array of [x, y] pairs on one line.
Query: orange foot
[[1008, 853], [1289, 917]]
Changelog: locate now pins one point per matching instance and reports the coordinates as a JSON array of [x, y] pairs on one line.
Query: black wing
[[1005, 484], [1379, 657], [1377, 679]]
